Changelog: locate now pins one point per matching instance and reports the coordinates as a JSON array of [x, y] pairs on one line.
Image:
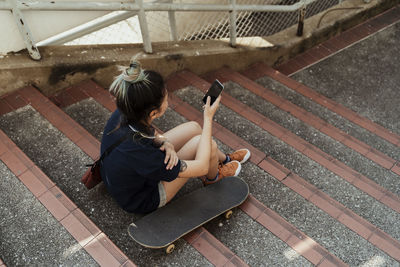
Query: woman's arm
[[200, 165], [171, 158]]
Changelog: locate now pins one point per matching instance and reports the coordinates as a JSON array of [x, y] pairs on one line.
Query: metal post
[[232, 23], [300, 26], [144, 28], [24, 30], [172, 25]]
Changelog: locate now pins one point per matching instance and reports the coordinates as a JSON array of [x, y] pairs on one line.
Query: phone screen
[[214, 91]]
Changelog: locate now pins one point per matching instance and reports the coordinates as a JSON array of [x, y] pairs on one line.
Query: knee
[[195, 126]]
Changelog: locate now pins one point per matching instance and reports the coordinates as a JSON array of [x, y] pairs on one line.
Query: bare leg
[[182, 133], [188, 152]]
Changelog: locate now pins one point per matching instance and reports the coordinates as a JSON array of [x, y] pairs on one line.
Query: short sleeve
[[170, 175]]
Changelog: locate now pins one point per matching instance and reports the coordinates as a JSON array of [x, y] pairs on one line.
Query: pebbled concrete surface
[[353, 159], [64, 163], [90, 114], [364, 77], [29, 234], [348, 195], [245, 237], [338, 239], [332, 118]]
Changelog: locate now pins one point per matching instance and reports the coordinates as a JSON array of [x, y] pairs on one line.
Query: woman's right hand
[[209, 111]]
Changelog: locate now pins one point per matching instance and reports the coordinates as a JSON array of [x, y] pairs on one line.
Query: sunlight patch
[[299, 248], [375, 261]]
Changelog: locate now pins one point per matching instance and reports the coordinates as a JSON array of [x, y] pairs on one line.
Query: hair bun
[[132, 73]]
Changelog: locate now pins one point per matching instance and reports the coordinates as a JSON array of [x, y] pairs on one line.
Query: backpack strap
[[110, 148], [117, 143]]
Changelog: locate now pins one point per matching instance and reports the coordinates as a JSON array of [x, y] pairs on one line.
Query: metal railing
[[139, 8]]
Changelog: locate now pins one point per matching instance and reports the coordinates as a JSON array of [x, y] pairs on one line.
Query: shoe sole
[[246, 157], [238, 169]]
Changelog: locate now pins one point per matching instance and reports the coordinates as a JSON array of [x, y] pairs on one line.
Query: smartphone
[[214, 91]]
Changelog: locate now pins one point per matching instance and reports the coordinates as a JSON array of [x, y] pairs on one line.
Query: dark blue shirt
[[133, 170]]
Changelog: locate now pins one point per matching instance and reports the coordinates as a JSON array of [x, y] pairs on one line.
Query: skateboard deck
[[169, 223]]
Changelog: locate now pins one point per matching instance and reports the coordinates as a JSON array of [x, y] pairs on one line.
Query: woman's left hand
[[170, 155]]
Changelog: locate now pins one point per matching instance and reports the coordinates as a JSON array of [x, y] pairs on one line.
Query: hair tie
[[134, 73], [120, 86]]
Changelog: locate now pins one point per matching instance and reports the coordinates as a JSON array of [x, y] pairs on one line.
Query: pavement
[[324, 173]]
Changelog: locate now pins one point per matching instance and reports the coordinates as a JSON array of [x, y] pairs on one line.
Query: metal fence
[[207, 25], [163, 20]]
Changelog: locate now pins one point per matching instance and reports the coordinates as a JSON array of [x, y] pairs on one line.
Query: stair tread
[[192, 101], [28, 213], [327, 144], [65, 167], [172, 119]]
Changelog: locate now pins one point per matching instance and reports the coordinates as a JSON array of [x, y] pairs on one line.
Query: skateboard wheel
[[170, 248], [228, 214]]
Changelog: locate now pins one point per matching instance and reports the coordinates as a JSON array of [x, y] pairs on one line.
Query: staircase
[[323, 175]]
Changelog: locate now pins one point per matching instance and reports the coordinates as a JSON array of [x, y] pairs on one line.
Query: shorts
[[163, 195]]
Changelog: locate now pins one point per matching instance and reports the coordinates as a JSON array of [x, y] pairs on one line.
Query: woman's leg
[[182, 133], [188, 152]]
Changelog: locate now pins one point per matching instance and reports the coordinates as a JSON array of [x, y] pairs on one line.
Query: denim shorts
[[163, 195]]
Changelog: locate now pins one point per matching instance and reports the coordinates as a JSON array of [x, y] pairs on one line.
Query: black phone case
[[214, 91]]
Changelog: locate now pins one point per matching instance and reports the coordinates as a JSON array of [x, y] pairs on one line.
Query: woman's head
[[140, 94]]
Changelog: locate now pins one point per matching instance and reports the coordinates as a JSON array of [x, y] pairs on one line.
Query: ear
[[153, 113]]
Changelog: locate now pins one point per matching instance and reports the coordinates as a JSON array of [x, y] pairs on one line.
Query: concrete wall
[[63, 66], [42, 24]]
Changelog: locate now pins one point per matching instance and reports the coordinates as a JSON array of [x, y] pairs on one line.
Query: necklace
[[142, 134]]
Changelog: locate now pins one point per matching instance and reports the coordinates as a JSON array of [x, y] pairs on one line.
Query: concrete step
[[38, 138], [244, 236], [295, 161], [369, 84], [316, 154], [343, 129], [361, 157], [53, 153], [30, 234], [261, 70]]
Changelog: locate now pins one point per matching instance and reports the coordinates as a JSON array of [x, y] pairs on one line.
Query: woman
[[145, 172]]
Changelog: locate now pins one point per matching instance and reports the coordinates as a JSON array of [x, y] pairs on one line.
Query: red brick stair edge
[[86, 233], [315, 255], [226, 74], [336, 210], [339, 168], [343, 40], [326, 102], [297, 240]]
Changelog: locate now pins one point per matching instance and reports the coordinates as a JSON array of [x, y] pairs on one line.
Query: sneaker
[[232, 168], [241, 155]]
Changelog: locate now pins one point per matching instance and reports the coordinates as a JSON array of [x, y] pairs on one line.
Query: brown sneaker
[[232, 168], [241, 155]]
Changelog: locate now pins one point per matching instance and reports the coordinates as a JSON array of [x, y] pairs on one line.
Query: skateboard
[[165, 225]]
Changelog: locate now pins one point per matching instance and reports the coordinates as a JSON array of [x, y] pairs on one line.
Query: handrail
[[121, 6], [105, 21], [140, 7]]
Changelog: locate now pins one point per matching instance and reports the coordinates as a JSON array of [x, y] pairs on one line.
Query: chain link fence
[[203, 25]]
